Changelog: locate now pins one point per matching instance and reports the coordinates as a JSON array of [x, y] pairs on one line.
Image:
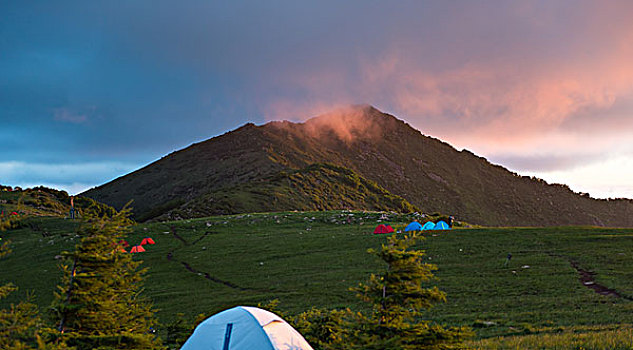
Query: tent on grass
[[124, 243], [382, 228], [137, 249], [245, 328], [147, 240], [441, 225], [429, 225], [414, 226]]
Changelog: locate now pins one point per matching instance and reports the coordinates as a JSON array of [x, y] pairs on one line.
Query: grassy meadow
[[310, 259]]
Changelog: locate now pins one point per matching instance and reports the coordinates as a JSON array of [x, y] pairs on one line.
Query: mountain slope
[[426, 172], [316, 187]]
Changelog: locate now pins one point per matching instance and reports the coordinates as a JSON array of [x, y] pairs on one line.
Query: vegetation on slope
[[234, 158], [43, 201], [316, 187]]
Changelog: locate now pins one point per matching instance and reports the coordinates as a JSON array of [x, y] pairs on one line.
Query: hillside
[[316, 187], [428, 173], [43, 201], [311, 259]]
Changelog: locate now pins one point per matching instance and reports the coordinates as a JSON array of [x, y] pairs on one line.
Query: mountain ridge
[[426, 172]]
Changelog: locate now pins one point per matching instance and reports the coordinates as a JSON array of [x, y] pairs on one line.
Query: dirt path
[[204, 236], [587, 280], [177, 236], [211, 278], [170, 257]]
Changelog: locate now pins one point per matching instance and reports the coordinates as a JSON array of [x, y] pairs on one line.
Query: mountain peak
[[352, 111], [351, 122], [363, 108]]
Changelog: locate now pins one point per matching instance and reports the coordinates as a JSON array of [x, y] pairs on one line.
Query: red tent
[[147, 240], [137, 249], [382, 228]]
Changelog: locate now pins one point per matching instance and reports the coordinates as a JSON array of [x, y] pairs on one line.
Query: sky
[[91, 90]]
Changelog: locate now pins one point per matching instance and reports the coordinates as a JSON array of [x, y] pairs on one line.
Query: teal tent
[[429, 225], [414, 226], [441, 225], [245, 328]]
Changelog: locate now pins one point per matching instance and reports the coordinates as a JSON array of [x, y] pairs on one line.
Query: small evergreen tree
[[19, 324], [398, 300], [177, 332], [323, 329], [98, 304], [5, 249], [9, 222]]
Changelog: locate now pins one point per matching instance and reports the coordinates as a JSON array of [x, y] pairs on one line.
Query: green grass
[[613, 338], [548, 292], [311, 259]]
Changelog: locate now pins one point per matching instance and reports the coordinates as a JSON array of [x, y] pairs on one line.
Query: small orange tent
[[147, 240], [122, 250], [382, 228], [137, 249]]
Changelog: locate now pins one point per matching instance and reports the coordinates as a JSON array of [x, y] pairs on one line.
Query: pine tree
[[398, 301], [324, 329], [99, 304]]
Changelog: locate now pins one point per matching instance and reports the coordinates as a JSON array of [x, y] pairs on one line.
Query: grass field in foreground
[[311, 259], [618, 337]]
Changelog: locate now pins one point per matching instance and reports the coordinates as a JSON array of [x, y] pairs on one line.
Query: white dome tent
[[245, 328]]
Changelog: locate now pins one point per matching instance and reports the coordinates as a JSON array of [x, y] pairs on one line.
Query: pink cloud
[[530, 91]]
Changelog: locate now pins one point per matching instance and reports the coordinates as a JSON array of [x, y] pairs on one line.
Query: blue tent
[[429, 225], [245, 328], [414, 226], [441, 225]]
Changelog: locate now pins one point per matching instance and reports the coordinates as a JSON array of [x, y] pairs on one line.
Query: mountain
[[286, 166]]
